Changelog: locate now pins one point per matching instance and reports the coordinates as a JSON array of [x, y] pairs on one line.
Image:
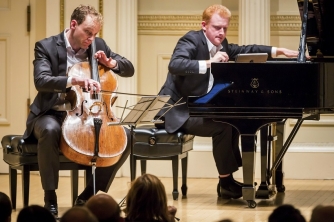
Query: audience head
[[286, 213], [323, 214], [35, 213], [5, 208], [104, 207], [81, 214], [147, 200]]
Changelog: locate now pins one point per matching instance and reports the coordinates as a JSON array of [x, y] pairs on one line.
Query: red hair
[[220, 9]]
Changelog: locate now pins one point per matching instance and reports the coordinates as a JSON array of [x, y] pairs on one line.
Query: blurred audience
[[286, 213], [105, 208], [147, 201], [5, 208], [80, 214], [322, 214], [35, 213]]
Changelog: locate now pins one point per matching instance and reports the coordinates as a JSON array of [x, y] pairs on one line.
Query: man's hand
[[89, 85], [218, 57], [288, 53], [102, 58]]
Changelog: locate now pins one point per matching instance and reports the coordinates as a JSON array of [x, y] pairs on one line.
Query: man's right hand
[[89, 85], [218, 57]]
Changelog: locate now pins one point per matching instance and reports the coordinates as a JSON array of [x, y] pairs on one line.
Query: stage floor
[[202, 203]]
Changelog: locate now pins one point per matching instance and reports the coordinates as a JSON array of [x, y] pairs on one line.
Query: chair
[[22, 155], [151, 143]]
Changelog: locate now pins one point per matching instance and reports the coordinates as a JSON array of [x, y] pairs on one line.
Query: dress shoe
[[79, 202], [52, 207], [235, 181], [238, 183], [231, 190], [228, 193]]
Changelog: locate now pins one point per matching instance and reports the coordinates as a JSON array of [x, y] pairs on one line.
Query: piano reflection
[[252, 96]]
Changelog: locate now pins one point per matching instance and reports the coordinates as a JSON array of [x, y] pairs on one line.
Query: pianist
[[189, 75]]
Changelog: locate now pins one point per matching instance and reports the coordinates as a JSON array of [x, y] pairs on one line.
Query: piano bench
[[22, 155], [151, 143]]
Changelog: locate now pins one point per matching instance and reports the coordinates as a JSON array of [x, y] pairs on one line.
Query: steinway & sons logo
[[254, 84]]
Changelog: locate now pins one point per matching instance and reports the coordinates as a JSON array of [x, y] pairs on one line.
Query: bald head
[[104, 207], [5, 207], [78, 214], [323, 214]]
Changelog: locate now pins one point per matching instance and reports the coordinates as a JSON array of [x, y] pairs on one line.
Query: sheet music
[[155, 108], [145, 110]]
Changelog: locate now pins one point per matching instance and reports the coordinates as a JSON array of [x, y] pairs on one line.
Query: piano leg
[[266, 190], [281, 153], [247, 129], [278, 175], [248, 147]]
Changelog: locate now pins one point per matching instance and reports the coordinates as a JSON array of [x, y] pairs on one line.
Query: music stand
[[142, 113]]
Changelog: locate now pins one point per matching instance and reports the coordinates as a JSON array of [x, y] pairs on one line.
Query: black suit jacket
[[50, 73], [183, 78]]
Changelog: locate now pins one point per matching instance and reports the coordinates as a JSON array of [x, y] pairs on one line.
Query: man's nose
[[91, 38]]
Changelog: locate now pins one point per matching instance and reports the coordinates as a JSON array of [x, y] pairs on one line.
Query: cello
[[86, 138]]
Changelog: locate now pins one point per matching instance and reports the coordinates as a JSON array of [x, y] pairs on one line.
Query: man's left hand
[[102, 58], [288, 53]]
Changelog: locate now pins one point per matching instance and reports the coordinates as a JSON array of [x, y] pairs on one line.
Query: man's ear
[[73, 24], [203, 26]]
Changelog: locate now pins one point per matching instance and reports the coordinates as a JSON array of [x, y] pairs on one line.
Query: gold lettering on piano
[[254, 91], [241, 91], [274, 91], [255, 85]]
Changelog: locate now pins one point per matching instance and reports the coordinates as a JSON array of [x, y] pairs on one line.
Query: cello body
[[86, 137]]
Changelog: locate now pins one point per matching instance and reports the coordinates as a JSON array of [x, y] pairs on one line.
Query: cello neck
[[94, 66]]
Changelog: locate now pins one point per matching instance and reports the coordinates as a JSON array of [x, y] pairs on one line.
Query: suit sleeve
[[125, 67], [182, 61], [233, 49], [44, 79]]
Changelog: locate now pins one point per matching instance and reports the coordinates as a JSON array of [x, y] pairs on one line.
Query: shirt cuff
[[202, 67], [116, 67], [69, 82], [273, 52]]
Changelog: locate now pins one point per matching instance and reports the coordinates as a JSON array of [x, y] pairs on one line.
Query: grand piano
[[256, 97]]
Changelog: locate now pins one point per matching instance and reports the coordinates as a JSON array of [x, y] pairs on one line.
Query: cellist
[[53, 58]]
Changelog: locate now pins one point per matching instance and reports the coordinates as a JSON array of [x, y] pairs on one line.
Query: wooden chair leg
[[133, 172], [143, 166], [184, 162], [87, 173], [74, 185], [13, 186], [25, 185], [175, 166]]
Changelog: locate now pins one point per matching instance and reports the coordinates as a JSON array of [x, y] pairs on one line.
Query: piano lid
[[320, 28]]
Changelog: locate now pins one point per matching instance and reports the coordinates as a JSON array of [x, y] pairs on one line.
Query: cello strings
[[106, 92]]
